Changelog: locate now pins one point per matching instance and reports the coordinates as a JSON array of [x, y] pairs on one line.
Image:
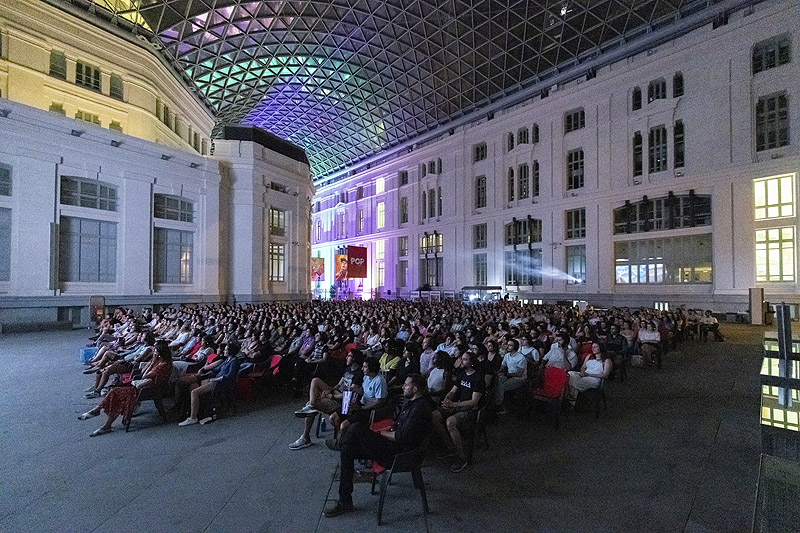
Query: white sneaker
[[307, 410], [90, 389], [300, 443], [188, 422]]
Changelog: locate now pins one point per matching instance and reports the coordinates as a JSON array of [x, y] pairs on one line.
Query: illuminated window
[[360, 220], [775, 254], [380, 186], [480, 268], [172, 255], [319, 230], [774, 197], [380, 250], [277, 222], [381, 215], [381, 274], [668, 260], [277, 257]]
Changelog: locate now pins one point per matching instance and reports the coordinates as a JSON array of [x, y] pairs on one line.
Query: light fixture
[[193, 165], [116, 144], [77, 133], [4, 112], [166, 157]]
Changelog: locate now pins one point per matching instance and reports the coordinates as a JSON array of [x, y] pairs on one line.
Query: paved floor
[[677, 450]]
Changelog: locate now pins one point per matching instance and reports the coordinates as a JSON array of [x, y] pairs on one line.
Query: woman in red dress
[[122, 400]]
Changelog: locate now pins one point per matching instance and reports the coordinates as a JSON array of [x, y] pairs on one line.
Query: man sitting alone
[[328, 400], [412, 427]]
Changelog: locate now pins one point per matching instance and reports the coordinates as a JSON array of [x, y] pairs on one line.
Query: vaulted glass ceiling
[[347, 79]]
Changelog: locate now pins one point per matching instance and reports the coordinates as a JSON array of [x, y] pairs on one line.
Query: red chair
[[554, 387], [245, 385]]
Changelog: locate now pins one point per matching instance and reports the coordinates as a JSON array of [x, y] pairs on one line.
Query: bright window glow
[[775, 254], [381, 274], [379, 249], [381, 215], [774, 197], [380, 186]]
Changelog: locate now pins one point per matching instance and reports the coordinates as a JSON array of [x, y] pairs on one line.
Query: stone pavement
[[677, 450]]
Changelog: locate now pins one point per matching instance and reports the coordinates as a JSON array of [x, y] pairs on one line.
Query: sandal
[[101, 431], [87, 415]]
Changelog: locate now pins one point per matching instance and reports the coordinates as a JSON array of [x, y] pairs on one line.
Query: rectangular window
[[114, 125], [277, 222], [680, 144], [402, 273], [173, 251], [576, 263], [431, 271], [5, 244], [58, 65], [431, 167], [381, 271], [535, 133], [116, 89], [403, 210], [576, 223], [277, 262], [657, 90], [657, 149], [87, 250], [774, 197], [510, 142], [668, 260], [91, 118], [359, 193], [677, 85], [402, 177], [381, 222], [523, 136], [574, 120], [772, 121], [771, 53], [775, 254], [319, 231], [173, 208], [88, 193], [87, 76], [511, 185], [479, 152], [524, 172], [431, 243], [479, 239], [636, 99], [480, 268], [431, 203], [5, 181], [523, 267], [524, 231], [439, 202], [402, 246], [380, 249], [575, 169], [424, 205], [380, 185], [342, 225], [57, 107], [535, 179], [423, 170], [480, 192], [637, 154]]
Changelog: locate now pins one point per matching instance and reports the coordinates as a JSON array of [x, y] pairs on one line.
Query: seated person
[[597, 366], [412, 427], [221, 375], [709, 323], [456, 412], [258, 352], [374, 391], [513, 372], [123, 366], [439, 377], [121, 400], [409, 364], [560, 354], [198, 358], [328, 400], [391, 358], [649, 339]]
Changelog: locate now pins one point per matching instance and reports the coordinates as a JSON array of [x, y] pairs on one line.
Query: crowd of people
[[429, 366]]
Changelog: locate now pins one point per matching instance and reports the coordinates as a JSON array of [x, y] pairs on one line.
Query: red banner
[[357, 257]]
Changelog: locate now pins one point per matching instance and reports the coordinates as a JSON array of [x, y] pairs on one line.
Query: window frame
[[576, 170]]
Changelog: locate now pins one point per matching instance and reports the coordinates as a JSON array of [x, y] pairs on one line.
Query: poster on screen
[[317, 269]]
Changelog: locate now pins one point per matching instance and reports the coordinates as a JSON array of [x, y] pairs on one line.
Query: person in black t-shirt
[[457, 410]]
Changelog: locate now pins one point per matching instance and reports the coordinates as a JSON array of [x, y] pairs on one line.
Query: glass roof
[[347, 79]]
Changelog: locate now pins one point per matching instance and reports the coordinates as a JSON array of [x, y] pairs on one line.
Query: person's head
[[512, 345], [562, 339], [467, 360], [614, 329], [207, 342], [371, 367], [491, 346], [232, 349], [415, 386], [163, 350], [149, 338], [355, 357], [595, 348]]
